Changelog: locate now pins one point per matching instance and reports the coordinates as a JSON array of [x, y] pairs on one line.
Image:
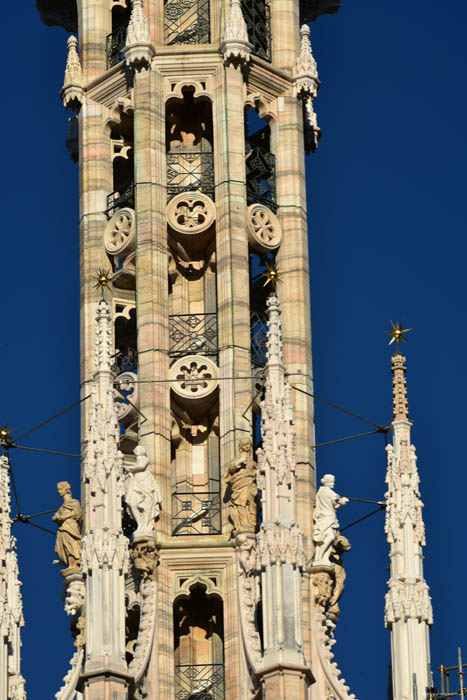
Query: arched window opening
[[260, 161], [115, 41], [189, 140], [122, 140], [199, 646]]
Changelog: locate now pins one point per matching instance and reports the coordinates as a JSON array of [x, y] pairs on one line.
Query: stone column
[[280, 555], [104, 559]]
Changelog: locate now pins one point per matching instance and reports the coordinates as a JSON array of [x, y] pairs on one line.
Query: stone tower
[[190, 120]]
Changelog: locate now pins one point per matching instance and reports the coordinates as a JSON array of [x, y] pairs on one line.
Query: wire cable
[[351, 437], [368, 515], [381, 428], [57, 415], [50, 452]]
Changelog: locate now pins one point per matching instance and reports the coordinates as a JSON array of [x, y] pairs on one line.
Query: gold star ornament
[[5, 433], [103, 279], [398, 333], [272, 275]]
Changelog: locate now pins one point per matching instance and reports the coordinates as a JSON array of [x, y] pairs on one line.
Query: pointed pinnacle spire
[[72, 92], [235, 46], [399, 389], [306, 71], [138, 30], [73, 71]]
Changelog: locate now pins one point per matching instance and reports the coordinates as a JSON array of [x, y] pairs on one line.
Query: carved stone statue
[[341, 544], [241, 477], [68, 517], [326, 523], [142, 494]]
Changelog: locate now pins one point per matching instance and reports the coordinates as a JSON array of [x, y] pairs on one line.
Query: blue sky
[[387, 241]]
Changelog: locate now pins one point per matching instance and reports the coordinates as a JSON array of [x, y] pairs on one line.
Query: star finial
[[273, 275], [5, 433], [103, 279], [398, 333]]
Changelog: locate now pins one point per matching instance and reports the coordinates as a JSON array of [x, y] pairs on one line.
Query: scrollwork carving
[[264, 229]]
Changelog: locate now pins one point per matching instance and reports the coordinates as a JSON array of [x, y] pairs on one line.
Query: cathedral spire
[[11, 607], [408, 612]]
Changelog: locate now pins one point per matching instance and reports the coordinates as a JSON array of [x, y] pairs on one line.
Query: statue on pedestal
[[142, 494], [68, 517], [241, 477], [325, 520]]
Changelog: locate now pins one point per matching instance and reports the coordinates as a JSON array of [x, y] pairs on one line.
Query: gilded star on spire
[[5, 433], [103, 279], [398, 333], [273, 275]]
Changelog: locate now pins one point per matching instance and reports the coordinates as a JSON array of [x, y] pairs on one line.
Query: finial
[[235, 46], [138, 30], [397, 333], [272, 275], [399, 388], [138, 48], [72, 90], [306, 71]]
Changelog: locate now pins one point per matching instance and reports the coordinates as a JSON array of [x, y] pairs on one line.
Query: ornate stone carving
[[306, 72], [406, 599], [322, 583], [403, 495], [70, 681], [126, 387], [68, 517], [142, 494], [248, 597], [312, 132], [138, 49], [147, 627], [105, 547], [264, 229], [11, 606], [145, 557], [74, 594], [326, 524], [190, 213], [235, 46], [328, 683], [120, 233], [341, 544], [280, 545], [72, 92], [194, 377], [242, 489]]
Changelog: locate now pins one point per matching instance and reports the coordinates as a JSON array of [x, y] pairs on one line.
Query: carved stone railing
[[258, 336], [187, 22], [192, 334], [200, 681], [257, 17], [196, 513], [261, 176], [118, 199], [190, 171], [126, 361], [114, 45]]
